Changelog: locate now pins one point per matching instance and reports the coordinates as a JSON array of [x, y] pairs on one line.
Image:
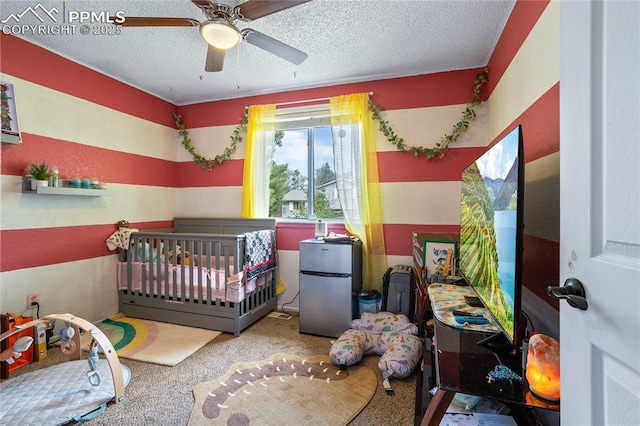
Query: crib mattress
[[56, 395]]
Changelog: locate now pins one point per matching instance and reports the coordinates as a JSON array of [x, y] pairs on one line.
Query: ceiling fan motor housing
[[221, 11]]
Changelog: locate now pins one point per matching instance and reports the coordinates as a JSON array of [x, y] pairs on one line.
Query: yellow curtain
[[356, 164], [261, 125]]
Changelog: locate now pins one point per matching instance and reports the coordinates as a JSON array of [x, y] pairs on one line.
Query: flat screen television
[[491, 232]]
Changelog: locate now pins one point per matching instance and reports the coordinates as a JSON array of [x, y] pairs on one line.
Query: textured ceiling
[[346, 40]]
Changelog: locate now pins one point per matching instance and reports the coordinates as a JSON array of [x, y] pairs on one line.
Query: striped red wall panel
[[541, 133], [397, 236], [447, 88], [289, 234], [27, 61], [540, 126], [523, 18], [394, 166], [75, 159], [398, 166], [28, 248]]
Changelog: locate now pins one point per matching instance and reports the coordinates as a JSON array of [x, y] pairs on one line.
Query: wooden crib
[[213, 286]]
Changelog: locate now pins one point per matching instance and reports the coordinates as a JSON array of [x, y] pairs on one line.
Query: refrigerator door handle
[[324, 274]]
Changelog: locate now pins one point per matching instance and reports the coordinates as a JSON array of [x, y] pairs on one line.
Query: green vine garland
[[459, 128], [206, 163], [439, 150]]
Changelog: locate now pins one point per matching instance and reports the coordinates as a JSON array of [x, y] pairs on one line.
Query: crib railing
[[165, 272]]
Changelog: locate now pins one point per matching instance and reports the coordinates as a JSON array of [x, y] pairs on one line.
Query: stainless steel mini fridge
[[330, 280]]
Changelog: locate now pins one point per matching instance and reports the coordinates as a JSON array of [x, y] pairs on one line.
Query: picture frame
[[437, 260], [9, 115]]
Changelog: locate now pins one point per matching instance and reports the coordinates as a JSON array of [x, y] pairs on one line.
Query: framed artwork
[[8, 114], [439, 258]]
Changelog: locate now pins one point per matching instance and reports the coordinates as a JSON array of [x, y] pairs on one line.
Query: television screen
[[491, 215]]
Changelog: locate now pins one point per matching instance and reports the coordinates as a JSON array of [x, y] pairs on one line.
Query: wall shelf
[[63, 190]]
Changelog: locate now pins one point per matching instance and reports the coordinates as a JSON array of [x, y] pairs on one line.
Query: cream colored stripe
[[47, 112], [86, 288], [425, 126], [211, 141], [399, 260], [289, 269], [533, 71], [404, 202], [214, 201], [131, 202], [435, 203], [417, 126]]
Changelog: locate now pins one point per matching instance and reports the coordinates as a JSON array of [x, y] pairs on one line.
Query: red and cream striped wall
[[89, 124], [525, 89]]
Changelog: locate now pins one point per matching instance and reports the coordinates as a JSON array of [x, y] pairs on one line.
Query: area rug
[[284, 389], [154, 342]]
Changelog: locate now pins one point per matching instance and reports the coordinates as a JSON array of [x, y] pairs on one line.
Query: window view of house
[[303, 181]]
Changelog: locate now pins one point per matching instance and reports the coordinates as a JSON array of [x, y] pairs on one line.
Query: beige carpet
[[284, 389], [163, 396], [154, 342]]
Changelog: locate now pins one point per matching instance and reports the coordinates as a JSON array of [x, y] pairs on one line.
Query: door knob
[[572, 291]]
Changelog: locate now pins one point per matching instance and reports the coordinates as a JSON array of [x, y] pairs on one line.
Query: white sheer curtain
[[356, 168], [348, 167]]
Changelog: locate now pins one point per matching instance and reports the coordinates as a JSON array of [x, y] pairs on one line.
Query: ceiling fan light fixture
[[219, 33]]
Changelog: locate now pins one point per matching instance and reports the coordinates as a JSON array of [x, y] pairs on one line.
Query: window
[[302, 183]]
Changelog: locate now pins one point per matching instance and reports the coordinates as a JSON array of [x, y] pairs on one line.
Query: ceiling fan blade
[[201, 2], [133, 21], [254, 9], [215, 59], [274, 46]]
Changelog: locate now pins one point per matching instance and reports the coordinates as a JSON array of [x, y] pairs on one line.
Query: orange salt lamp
[[536, 401], [543, 367]]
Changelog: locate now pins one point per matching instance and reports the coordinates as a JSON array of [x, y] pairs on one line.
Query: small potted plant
[[40, 175]]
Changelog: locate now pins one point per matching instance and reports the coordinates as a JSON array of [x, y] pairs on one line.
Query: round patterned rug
[[284, 389]]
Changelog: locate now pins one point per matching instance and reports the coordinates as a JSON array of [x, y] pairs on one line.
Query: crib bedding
[[178, 281], [201, 270], [190, 276], [260, 253]]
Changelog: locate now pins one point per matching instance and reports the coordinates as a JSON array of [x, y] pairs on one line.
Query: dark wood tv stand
[[454, 362]]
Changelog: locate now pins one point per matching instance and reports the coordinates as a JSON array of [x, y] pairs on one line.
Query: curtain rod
[[309, 100], [304, 101]]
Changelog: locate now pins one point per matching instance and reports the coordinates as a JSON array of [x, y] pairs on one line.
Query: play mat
[[56, 395], [77, 390]]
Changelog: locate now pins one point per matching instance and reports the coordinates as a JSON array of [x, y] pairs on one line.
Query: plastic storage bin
[[369, 301]]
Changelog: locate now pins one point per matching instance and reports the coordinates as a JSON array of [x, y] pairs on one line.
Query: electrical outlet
[[32, 300]]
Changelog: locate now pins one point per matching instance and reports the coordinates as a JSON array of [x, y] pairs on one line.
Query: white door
[[600, 211]]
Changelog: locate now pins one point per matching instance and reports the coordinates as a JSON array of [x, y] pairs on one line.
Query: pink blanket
[[232, 288]]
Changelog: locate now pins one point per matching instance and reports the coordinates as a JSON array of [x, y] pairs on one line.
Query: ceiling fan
[[220, 32]]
